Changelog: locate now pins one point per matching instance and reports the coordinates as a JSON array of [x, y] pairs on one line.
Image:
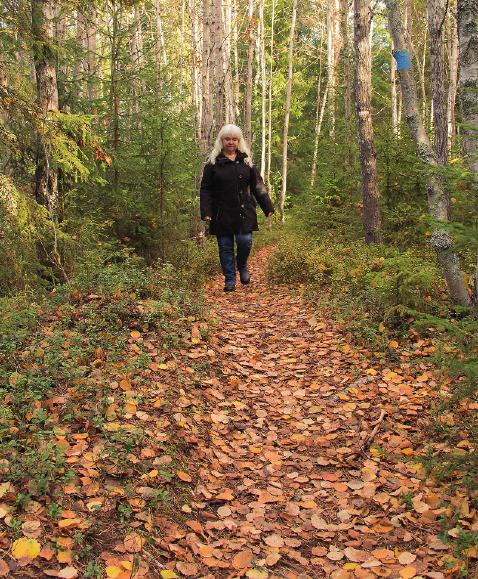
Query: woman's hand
[[207, 218]]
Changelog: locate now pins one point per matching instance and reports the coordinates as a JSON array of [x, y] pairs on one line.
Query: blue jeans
[[226, 254]]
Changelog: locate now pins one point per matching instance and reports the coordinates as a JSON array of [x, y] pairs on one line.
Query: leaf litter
[[276, 449]]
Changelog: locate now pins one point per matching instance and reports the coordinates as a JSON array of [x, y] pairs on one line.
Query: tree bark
[[249, 72], [346, 59], [229, 83], [91, 25], [320, 104], [468, 39], [436, 22], [46, 175], [207, 105], [263, 84], [333, 52], [285, 136], [453, 83], [372, 221], [271, 77], [441, 240], [217, 66]]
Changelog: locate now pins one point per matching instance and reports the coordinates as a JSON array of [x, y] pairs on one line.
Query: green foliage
[[364, 285]]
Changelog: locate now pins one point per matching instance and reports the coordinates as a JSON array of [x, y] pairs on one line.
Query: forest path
[[283, 488]]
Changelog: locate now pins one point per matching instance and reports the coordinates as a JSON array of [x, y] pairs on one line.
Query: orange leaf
[[184, 476], [408, 572], [242, 559], [133, 543]]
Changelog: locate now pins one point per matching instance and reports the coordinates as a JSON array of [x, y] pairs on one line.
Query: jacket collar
[[222, 159]]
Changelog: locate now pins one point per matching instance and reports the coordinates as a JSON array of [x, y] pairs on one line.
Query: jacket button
[[242, 205]]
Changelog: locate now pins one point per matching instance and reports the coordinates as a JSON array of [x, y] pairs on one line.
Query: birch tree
[[467, 12], [285, 135], [441, 240], [46, 174], [249, 73], [363, 87], [468, 39]]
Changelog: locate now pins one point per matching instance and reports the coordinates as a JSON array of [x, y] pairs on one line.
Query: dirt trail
[[284, 489]]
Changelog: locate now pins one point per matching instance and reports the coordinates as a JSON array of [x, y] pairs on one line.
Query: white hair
[[235, 131]]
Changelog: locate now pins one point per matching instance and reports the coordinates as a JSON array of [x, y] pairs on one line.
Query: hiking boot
[[229, 287], [245, 276]]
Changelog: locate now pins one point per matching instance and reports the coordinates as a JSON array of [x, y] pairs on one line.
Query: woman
[[230, 187]]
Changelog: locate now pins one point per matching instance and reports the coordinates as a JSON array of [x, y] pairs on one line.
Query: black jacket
[[229, 191]]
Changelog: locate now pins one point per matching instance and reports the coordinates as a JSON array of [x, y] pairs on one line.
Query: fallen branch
[[368, 441]]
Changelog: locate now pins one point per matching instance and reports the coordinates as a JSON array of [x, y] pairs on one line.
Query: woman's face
[[230, 143]]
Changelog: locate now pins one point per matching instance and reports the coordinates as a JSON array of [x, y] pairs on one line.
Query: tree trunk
[[372, 221], [452, 85], [287, 111], [333, 53], [91, 25], [263, 84], [196, 71], [249, 77], [160, 49], [114, 88], [271, 77], [393, 95], [46, 176], [468, 39], [319, 112], [346, 59], [467, 13], [229, 83], [436, 22], [217, 66], [207, 105], [437, 206]]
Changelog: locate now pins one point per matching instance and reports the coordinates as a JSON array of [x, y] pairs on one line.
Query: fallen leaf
[[242, 559], [274, 540], [408, 572], [26, 548], [68, 573], [183, 476], [113, 571], [133, 543], [4, 568], [187, 569], [405, 558]]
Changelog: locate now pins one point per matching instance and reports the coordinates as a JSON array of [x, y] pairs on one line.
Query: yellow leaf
[[168, 574], [393, 344], [29, 548], [113, 571], [350, 566], [472, 552]]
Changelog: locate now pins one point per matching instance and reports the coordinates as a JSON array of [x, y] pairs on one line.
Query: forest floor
[[273, 448]]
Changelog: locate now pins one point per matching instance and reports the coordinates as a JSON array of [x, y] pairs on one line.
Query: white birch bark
[[249, 73], [441, 240], [271, 78], [285, 136], [453, 76]]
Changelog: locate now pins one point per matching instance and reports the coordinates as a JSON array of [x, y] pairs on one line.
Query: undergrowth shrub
[[363, 285]]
